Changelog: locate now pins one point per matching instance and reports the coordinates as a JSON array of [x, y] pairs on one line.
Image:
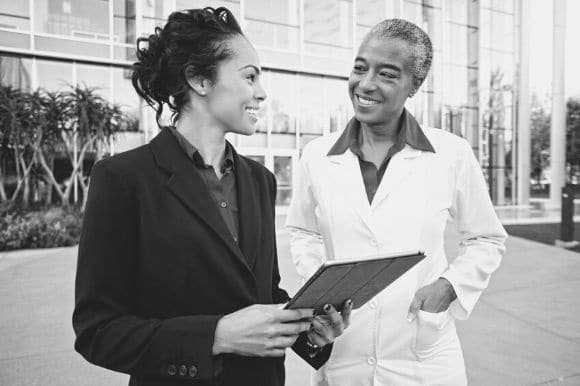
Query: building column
[[524, 155], [558, 122]]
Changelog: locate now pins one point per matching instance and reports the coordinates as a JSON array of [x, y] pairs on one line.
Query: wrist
[[450, 289]]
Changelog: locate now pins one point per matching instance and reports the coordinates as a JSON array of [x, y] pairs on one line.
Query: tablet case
[[359, 280]]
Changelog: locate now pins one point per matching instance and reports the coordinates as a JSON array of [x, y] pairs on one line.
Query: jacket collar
[[188, 186], [409, 133]]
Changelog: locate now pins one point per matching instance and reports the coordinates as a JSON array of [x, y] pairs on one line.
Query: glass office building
[[306, 48]]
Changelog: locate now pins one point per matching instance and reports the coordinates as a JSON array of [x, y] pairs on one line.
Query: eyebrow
[[257, 69], [382, 65]]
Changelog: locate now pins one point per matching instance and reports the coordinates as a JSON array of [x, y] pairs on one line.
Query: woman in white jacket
[[386, 184]]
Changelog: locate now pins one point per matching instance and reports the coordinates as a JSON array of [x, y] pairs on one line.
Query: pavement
[[525, 330]]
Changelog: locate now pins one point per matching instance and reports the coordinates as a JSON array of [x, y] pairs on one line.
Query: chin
[[366, 118]]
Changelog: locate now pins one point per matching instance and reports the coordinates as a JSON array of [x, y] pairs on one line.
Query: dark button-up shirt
[[223, 191], [409, 133]]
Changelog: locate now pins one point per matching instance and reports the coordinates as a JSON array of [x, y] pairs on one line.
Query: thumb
[[414, 308]]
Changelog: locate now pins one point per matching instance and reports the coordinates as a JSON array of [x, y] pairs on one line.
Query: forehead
[[243, 52], [385, 51]]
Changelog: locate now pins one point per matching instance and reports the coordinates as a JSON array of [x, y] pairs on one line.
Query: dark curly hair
[[192, 43]]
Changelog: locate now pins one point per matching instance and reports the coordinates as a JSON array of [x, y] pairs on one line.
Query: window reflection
[[283, 102], [124, 21], [124, 94], [313, 119], [273, 24], [14, 15], [96, 77], [53, 75], [328, 27], [87, 19], [283, 172], [15, 72]]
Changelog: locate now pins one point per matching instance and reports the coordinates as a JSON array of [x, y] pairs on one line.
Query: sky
[[541, 36]]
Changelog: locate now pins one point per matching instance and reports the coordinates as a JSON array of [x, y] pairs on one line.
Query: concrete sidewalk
[[524, 331]]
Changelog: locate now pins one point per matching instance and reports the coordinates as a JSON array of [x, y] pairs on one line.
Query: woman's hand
[[326, 328], [433, 298], [263, 330]]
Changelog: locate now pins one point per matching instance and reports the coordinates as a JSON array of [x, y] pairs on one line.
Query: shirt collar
[[410, 133], [193, 153]]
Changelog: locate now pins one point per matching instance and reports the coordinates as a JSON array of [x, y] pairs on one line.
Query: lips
[[366, 101], [252, 111]]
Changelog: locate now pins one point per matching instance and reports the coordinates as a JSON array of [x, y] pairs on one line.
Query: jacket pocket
[[435, 331]]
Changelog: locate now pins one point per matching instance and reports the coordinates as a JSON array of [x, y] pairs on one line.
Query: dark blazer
[[157, 268]]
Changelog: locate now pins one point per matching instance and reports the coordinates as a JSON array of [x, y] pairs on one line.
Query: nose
[[259, 92], [367, 82]]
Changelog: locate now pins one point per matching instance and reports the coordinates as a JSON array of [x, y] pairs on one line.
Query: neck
[[208, 139], [386, 132]]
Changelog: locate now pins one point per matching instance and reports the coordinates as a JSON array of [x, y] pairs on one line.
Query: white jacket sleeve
[[306, 244], [482, 235]]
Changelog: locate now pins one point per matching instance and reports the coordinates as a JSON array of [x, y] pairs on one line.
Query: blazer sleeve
[[110, 332], [306, 244], [482, 235], [281, 296]]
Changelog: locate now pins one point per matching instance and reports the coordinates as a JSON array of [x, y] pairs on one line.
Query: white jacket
[[330, 218]]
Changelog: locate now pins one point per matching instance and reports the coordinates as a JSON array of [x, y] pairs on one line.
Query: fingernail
[[410, 317], [327, 307]]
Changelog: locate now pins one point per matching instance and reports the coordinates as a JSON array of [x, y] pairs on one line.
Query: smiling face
[[380, 81], [234, 99]]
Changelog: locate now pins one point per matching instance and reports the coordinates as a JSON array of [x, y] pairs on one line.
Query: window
[[15, 15], [96, 77], [124, 94], [86, 19], [283, 101], [15, 72], [328, 27], [124, 21], [53, 75], [311, 105], [283, 173], [273, 23]]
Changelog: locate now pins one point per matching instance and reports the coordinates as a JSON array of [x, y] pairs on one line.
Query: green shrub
[[39, 228]]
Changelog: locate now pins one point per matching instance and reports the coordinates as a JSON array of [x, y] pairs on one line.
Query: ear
[[199, 84]]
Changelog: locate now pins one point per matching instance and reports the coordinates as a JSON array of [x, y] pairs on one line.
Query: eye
[[386, 74], [358, 68], [251, 77]]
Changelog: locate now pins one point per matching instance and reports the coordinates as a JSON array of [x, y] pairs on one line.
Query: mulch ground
[[543, 233]]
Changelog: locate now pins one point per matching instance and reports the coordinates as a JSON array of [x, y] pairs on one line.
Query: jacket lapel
[[401, 167], [347, 173], [249, 210], [188, 186]]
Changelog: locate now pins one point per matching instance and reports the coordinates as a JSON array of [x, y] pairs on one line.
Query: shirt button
[[171, 370], [374, 242], [223, 204], [371, 361], [192, 371], [373, 304], [183, 370]]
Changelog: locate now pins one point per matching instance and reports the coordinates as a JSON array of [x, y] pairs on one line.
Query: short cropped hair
[[418, 40]]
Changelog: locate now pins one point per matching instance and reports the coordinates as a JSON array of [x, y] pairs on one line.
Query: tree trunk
[[3, 196], [48, 172]]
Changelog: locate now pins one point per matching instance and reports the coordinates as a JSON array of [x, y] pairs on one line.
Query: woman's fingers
[[346, 310]]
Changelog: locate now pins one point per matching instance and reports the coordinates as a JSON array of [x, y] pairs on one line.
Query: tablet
[[357, 279]]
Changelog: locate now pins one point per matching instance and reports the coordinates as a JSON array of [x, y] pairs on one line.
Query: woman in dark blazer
[[177, 276]]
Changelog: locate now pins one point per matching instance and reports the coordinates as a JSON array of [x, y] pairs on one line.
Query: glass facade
[[306, 48]]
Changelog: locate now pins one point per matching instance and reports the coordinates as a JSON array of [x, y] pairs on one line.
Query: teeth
[[366, 102], [252, 111]]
